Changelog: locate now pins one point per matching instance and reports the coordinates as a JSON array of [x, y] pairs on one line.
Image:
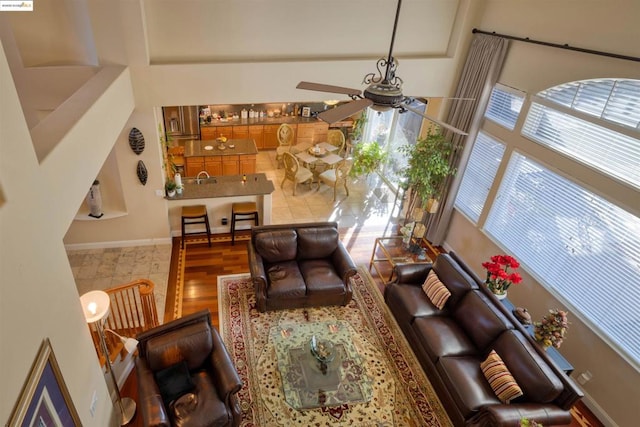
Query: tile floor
[[370, 205]]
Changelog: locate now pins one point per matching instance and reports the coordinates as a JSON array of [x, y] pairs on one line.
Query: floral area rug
[[401, 394]]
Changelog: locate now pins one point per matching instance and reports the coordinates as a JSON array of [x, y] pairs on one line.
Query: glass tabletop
[[307, 383]]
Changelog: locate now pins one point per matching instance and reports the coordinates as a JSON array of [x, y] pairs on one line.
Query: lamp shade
[[95, 305]]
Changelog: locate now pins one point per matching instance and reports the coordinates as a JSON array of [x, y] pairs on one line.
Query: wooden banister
[[133, 310]]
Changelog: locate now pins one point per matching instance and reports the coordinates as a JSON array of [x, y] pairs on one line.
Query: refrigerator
[[182, 122]]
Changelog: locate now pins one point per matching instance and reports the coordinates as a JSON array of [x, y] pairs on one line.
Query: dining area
[[326, 162]]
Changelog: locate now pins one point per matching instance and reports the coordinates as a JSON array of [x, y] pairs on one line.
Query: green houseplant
[[367, 157], [428, 168], [170, 186]]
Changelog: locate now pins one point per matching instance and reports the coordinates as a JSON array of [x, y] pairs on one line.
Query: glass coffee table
[[307, 383]]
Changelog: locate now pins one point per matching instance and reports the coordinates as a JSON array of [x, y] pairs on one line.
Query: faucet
[[200, 173]]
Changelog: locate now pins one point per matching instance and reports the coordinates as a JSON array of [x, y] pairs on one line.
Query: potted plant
[[170, 186], [367, 157], [427, 170]]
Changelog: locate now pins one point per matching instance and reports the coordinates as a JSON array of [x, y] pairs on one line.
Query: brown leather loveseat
[[299, 265], [452, 342], [186, 376]]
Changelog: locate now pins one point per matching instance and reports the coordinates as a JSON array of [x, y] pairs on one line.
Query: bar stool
[[242, 211], [195, 214]]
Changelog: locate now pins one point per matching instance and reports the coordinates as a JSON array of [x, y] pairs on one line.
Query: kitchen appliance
[[181, 122]]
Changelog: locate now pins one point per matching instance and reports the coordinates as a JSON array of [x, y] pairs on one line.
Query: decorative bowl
[[322, 350]]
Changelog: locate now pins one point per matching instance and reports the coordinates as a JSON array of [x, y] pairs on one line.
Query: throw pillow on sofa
[[436, 291], [500, 379]]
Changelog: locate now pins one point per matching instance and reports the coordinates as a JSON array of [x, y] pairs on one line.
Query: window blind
[[479, 174], [613, 153], [504, 106], [575, 242]]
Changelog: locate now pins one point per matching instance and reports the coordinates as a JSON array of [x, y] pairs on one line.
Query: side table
[[392, 251], [552, 352]]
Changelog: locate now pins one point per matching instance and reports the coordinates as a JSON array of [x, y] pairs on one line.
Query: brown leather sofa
[[451, 343], [186, 358], [299, 265]]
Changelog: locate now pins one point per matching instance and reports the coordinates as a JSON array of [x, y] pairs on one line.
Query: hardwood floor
[[203, 265]]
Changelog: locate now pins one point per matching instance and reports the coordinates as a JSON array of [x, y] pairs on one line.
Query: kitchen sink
[[201, 181]]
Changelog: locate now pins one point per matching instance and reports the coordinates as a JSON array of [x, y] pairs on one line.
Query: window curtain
[[479, 75]]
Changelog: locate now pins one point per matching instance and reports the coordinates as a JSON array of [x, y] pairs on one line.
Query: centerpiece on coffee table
[[323, 351]]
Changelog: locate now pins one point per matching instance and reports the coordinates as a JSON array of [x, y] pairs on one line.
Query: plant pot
[[501, 296], [171, 193], [432, 206]]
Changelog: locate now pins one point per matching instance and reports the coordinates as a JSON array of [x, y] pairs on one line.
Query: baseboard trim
[[597, 411], [118, 244]]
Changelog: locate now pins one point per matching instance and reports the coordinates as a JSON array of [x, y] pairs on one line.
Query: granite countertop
[[225, 186], [196, 147], [263, 121]]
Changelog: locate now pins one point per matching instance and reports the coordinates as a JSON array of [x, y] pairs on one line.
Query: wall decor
[[142, 172], [45, 399], [94, 200], [136, 141]]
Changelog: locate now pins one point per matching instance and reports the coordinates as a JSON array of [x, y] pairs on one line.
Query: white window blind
[[613, 153], [617, 101], [504, 106], [478, 176], [575, 242]]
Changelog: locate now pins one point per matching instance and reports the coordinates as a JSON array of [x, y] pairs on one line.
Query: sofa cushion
[[276, 246], [285, 280], [538, 382], [436, 291], [205, 409], [441, 336], [321, 277], [409, 301], [174, 381], [191, 343], [454, 277], [466, 384], [499, 378], [317, 242], [480, 320]]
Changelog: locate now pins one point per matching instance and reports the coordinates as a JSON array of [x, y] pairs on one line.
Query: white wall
[[609, 26]]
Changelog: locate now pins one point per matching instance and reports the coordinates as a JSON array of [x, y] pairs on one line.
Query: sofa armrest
[[226, 377], [149, 399], [343, 263], [510, 415], [412, 273], [258, 276]]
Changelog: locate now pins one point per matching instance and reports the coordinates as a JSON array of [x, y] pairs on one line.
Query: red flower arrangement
[[498, 277]]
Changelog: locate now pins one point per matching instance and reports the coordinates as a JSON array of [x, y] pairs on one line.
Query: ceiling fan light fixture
[[331, 102]]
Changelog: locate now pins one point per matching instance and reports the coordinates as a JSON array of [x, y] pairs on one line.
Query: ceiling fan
[[384, 90]]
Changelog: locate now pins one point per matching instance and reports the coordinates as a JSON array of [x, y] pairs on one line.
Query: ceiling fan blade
[[343, 111], [319, 87], [434, 120]]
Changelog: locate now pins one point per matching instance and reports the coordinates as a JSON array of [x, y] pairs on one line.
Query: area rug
[[402, 395]]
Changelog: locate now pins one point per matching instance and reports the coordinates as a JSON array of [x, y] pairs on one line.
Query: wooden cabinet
[[240, 132], [256, 132], [320, 130], [213, 165], [270, 137], [226, 131], [193, 165], [305, 133], [247, 164], [207, 133], [230, 165]]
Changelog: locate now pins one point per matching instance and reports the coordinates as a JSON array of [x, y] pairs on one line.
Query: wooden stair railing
[[132, 310]]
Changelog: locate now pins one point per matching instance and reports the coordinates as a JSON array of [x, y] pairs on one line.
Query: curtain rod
[[560, 46]]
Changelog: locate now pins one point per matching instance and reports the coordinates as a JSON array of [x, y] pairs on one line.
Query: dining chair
[[336, 138], [294, 172], [285, 141], [337, 176]]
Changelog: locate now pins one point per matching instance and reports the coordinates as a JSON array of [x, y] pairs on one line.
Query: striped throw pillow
[[500, 379], [436, 291]]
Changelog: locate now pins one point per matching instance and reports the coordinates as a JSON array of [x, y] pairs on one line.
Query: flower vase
[[500, 296]]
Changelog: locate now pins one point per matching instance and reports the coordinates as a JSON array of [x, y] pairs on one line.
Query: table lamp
[[95, 305]]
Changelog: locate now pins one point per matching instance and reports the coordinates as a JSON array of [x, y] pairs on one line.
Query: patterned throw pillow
[[500, 379], [436, 291]]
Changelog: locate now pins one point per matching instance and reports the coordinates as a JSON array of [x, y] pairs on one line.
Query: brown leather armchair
[[299, 265], [186, 376]]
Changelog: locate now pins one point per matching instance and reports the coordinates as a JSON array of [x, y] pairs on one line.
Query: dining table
[[322, 154]]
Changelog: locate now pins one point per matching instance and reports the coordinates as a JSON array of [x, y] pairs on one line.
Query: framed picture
[[306, 111], [45, 400]]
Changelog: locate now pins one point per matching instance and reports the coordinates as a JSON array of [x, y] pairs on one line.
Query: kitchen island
[[233, 157], [217, 193]]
